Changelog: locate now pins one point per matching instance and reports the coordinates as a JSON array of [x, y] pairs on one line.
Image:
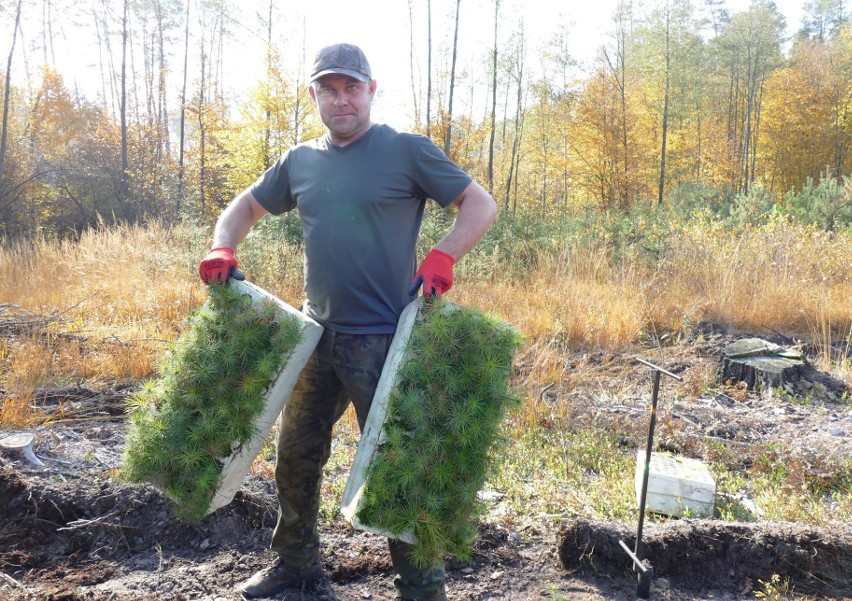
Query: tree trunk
[[220, 58], [125, 184], [47, 33], [297, 105], [520, 135], [162, 106], [754, 145], [625, 148], [759, 364], [513, 161], [493, 102], [429, 70], [665, 111], [181, 170], [112, 80], [743, 159], [267, 126], [7, 94], [414, 91], [105, 92], [618, 68], [448, 137], [202, 130]]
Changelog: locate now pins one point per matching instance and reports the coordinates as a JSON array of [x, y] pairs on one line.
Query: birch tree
[[750, 47], [493, 100], [7, 94], [449, 132]]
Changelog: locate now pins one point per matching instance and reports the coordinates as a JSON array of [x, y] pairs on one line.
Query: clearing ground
[[70, 532]]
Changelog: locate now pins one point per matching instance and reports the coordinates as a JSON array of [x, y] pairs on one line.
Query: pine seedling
[[407, 473], [207, 391], [450, 397], [410, 405]]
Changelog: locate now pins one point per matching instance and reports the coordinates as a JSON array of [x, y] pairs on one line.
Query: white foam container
[[237, 465], [677, 486], [373, 434]]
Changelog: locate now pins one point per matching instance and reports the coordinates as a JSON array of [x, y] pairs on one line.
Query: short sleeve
[[436, 175], [272, 188]]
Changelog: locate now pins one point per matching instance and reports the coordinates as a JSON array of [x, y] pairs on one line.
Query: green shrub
[[688, 199], [443, 419], [512, 246], [201, 405], [754, 208], [828, 204]]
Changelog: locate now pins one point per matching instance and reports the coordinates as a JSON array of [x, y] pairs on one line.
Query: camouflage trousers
[[344, 368]]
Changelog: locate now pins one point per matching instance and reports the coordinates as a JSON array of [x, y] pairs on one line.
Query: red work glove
[[435, 273], [219, 265]]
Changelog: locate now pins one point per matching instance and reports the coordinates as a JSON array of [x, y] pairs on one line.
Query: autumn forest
[[684, 99]]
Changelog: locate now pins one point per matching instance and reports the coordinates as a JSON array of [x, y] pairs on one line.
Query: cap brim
[[349, 72]]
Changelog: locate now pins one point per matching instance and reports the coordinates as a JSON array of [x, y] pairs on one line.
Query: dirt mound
[[47, 523], [701, 555], [82, 538], [74, 539]]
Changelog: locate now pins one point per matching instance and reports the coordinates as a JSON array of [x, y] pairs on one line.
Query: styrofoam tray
[[676, 485], [236, 466], [372, 436]]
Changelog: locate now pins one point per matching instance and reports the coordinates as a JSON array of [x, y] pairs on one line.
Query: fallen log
[[17, 322]]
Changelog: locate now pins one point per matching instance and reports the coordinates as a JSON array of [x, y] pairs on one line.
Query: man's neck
[[349, 139]]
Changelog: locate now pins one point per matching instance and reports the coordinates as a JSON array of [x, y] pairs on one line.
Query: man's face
[[344, 106]]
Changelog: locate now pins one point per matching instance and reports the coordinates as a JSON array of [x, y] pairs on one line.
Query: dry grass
[[115, 298], [125, 281], [123, 292], [782, 277], [791, 280]]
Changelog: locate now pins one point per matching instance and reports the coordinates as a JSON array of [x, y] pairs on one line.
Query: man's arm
[[476, 212], [232, 227], [236, 220]]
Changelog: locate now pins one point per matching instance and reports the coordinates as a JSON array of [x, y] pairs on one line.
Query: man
[[360, 191]]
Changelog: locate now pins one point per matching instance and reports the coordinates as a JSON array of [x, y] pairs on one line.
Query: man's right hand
[[219, 265]]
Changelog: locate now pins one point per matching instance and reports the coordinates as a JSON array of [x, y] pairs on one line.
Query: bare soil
[[69, 531]]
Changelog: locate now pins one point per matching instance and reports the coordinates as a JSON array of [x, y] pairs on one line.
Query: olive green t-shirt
[[361, 207]]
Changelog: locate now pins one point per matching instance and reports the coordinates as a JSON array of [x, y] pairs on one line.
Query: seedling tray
[[196, 427], [236, 466], [435, 417], [677, 486]]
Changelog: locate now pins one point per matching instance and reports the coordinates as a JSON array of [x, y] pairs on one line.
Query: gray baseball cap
[[344, 59]]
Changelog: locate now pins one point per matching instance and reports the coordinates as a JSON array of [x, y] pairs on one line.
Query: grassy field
[[102, 309]]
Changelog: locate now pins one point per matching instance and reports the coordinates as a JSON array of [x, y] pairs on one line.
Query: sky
[[380, 27]]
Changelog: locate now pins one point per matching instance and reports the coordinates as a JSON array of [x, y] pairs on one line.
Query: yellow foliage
[[803, 109]]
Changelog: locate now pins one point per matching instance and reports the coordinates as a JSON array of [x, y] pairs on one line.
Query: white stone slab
[[237, 465]]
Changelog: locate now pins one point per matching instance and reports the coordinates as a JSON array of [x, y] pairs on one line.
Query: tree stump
[[760, 364]]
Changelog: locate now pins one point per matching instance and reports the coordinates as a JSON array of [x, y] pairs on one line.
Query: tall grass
[[124, 281], [111, 300], [122, 292]]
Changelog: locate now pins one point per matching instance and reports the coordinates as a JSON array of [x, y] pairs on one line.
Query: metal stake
[[646, 573]]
